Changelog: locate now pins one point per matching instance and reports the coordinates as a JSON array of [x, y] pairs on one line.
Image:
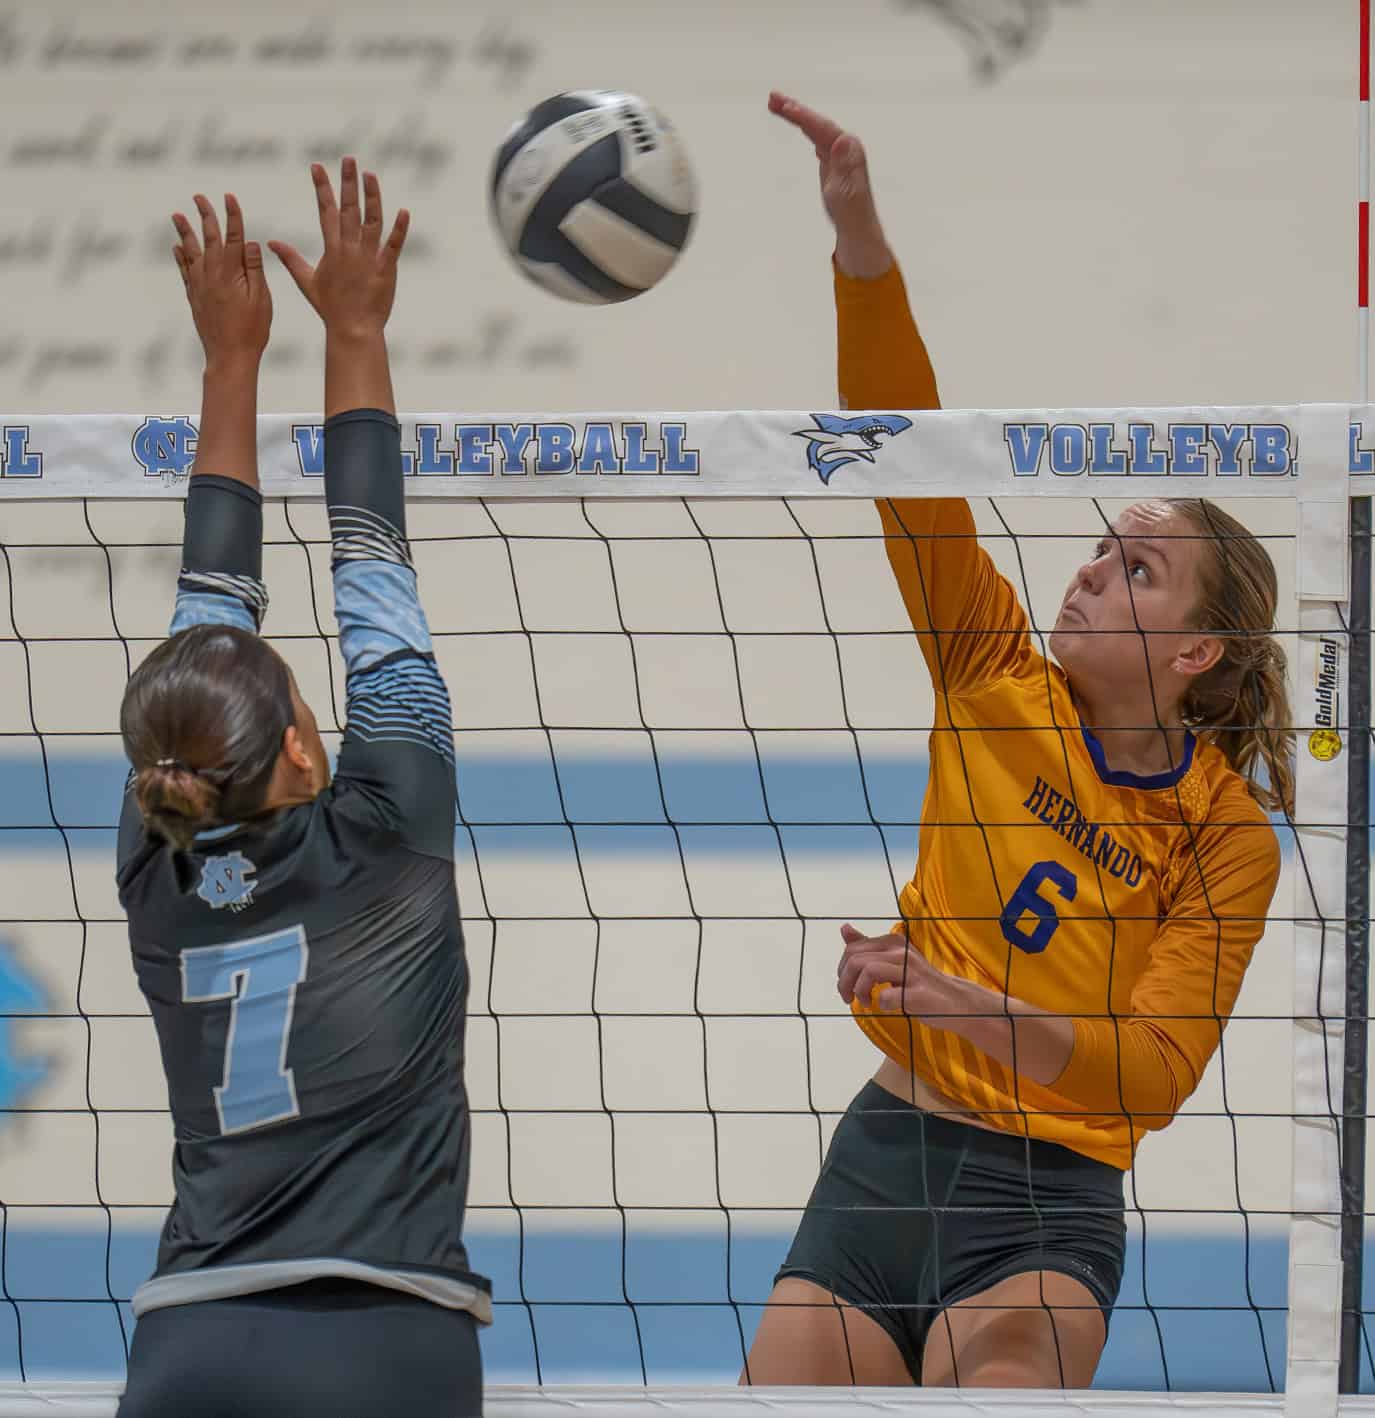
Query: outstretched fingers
[[242, 255], [350, 214], [210, 225], [392, 251], [253, 267], [233, 225], [225, 287], [324, 200], [298, 268], [372, 211], [822, 131], [355, 279], [188, 243]]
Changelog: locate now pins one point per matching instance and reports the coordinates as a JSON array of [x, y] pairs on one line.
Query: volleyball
[[593, 195]]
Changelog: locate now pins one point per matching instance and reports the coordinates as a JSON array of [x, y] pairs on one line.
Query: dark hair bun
[[176, 802]]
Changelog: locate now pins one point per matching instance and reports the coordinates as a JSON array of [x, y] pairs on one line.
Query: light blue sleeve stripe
[[206, 608], [378, 609], [403, 702]]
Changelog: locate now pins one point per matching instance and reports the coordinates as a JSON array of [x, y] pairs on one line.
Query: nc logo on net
[[17, 459], [166, 447]]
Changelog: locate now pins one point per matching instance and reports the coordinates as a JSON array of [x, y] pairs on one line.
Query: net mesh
[[691, 741]]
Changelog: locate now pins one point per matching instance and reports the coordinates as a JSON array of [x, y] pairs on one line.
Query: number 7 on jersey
[[260, 976]]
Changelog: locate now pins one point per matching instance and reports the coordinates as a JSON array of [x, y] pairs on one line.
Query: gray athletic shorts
[[913, 1212], [326, 1349]]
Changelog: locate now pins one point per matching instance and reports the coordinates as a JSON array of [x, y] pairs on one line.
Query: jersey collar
[[1119, 778]]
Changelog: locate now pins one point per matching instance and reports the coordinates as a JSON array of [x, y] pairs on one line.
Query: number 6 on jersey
[[260, 976], [1027, 899]]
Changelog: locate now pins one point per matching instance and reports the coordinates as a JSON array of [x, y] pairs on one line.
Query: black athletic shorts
[[324, 1349], [913, 1211]]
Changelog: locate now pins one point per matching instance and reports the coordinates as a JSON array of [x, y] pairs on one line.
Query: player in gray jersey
[[297, 936]]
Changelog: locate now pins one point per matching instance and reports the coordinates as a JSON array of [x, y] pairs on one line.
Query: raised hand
[[846, 193], [354, 284], [225, 286]]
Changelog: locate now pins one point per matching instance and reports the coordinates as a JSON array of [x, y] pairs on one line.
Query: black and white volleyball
[[593, 195]]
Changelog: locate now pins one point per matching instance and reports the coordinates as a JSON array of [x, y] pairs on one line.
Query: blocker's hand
[[846, 193], [225, 286], [885, 973], [354, 284]]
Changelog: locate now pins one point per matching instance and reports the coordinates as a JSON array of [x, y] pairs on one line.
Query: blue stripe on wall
[[86, 789], [1216, 1307], [830, 791]]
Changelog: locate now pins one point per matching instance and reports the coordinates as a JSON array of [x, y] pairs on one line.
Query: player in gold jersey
[[1096, 864]]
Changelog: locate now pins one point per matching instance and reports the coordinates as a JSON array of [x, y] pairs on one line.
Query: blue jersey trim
[[378, 609], [360, 534], [1119, 778], [211, 608], [402, 701]]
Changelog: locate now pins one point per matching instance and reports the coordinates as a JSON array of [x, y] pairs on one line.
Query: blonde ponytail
[[1242, 703]]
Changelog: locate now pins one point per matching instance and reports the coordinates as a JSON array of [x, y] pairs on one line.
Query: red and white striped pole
[[1363, 209]]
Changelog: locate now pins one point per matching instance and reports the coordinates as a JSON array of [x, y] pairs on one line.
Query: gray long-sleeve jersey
[[306, 972]]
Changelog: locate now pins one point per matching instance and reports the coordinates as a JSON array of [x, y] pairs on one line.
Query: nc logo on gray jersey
[[227, 881]]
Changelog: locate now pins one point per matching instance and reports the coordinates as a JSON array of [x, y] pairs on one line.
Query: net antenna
[[1355, 1344]]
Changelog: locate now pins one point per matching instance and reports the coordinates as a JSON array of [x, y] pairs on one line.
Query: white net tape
[[1263, 451], [99, 1401]]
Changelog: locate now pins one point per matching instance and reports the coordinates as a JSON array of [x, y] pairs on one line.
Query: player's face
[[1128, 621], [311, 741]]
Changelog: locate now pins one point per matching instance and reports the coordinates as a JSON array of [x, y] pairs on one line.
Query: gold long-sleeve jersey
[[1129, 904]]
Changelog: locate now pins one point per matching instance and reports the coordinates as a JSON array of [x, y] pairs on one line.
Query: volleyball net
[[690, 726]]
